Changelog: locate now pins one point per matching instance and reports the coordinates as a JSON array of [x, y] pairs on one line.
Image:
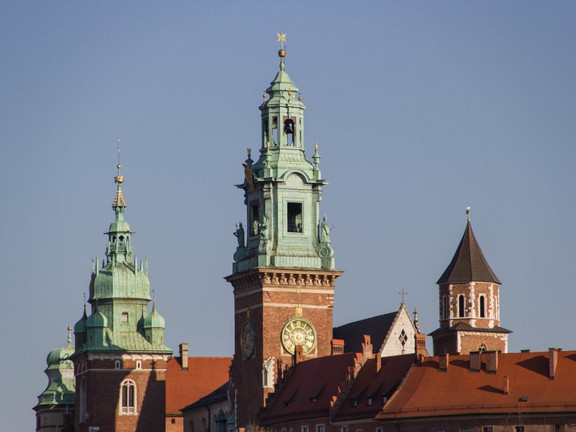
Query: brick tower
[[120, 358], [283, 272], [469, 303]]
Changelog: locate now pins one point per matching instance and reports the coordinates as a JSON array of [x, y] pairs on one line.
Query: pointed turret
[[469, 302], [468, 263]]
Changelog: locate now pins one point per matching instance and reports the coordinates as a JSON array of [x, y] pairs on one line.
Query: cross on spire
[[403, 293]]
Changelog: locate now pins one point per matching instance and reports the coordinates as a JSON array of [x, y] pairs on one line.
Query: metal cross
[[403, 293]]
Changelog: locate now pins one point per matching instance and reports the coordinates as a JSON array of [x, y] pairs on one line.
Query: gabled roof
[[308, 389], [429, 392], [352, 333], [468, 263], [371, 389], [184, 387]]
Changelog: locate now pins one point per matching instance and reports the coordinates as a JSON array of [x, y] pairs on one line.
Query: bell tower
[[469, 301], [283, 272]]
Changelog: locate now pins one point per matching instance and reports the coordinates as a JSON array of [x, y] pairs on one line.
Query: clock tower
[[283, 272]]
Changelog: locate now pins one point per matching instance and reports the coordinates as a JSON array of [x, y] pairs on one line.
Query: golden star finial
[[281, 37]]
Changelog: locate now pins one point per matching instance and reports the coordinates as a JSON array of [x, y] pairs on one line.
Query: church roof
[[203, 376], [377, 327], [308, 389], [426, 393], [373, 388], [468, 263]]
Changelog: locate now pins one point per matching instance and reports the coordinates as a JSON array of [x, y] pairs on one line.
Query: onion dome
[[154, 320], [97, 319], [80, 326]]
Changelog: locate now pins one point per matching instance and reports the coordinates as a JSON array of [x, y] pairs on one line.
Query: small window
[[124, 317], [519, 428], [344, 429], [482, 348], [354, 403], [295, 217], [487, 429], [138, 364], [117, 364], [461, 306], [445, 310], [320, 428], [482, 307], [465, 430], [304, 429]]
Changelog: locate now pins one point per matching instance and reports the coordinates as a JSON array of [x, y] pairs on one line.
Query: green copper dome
[[97, 319], [60, 372], [154, 320], [120, 280], [120, 295]]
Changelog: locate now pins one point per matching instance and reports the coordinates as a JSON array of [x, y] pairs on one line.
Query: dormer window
[[124, 317]]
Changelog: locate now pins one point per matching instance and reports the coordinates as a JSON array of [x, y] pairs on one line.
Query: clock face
[[247, 339], [298, 332]]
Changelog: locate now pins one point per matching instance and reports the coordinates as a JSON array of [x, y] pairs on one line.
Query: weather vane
[[281, 37]]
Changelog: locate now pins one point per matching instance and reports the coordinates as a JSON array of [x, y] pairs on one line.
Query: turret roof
[[468, 263]]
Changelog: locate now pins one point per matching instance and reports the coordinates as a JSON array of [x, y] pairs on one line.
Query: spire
[[468, 263], [119, 204]]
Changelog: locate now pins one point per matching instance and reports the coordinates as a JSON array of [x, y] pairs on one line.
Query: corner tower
[[120, 358], [469, 303], [283, 273]]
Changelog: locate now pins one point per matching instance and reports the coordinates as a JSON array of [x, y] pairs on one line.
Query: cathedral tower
[[283, 272], [469, 303], [120, 358]]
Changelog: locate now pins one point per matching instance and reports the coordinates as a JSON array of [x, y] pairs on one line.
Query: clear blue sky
[[419, 109]]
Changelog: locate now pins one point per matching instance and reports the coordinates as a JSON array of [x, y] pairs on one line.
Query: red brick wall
[[103, 383]]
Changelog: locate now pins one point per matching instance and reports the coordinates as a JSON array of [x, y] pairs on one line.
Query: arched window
[[461, 306], [83, 400], [128, 397], [482, 306], [482, 348]]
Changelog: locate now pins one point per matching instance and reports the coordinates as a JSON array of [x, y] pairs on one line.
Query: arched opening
[[482, 306], [289, 131], [461, 312], [128, 397]]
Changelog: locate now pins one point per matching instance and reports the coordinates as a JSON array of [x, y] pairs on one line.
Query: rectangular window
[[138, 364], [295, 217], [254, 219], [304, 429], [465, 430], [487, 429], [519, 428], [344, 429], [320, 428], [117, 364]]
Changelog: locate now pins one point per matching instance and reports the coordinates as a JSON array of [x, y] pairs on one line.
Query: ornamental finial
[[468, 213], [281, 37], [119, 178]]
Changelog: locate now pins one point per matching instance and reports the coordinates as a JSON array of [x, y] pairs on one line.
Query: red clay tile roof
[[367, 394], [184, 387], [308, 389], [429, 392], [468, 263]]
